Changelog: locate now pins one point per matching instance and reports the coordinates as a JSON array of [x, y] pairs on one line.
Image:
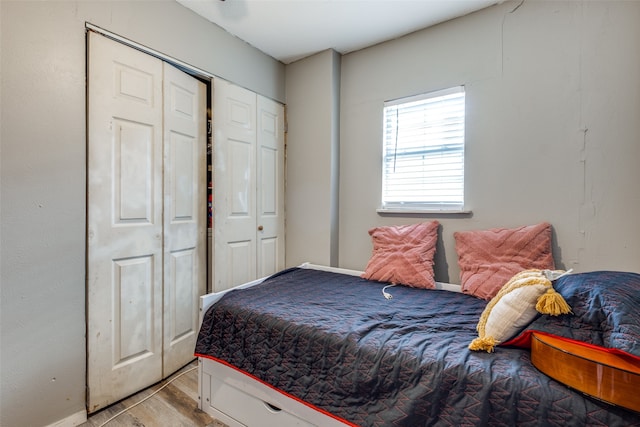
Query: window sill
[[413, 211]]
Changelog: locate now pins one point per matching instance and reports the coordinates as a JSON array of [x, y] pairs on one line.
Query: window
[[423, 153]]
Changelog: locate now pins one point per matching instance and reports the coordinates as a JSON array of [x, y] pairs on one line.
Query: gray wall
[[552, 128], [42, 179], [313, 94]]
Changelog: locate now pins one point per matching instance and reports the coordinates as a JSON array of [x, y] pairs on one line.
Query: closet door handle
[[260, 228]]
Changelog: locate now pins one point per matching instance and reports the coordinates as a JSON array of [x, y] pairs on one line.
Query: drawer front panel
[[250, 410]]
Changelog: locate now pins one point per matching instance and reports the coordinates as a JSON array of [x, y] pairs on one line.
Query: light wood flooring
[[174, 406]]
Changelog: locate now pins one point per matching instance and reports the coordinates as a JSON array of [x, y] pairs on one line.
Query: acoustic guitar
[[608, 375]]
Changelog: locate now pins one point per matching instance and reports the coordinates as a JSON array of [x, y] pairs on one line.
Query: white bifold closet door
[[248, 186], [146, 253]]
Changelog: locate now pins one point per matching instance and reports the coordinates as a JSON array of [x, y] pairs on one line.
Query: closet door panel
[[124, 242], [240, 257], [239, 183], [133, 311], [181, 295], [234, 201], [184, 214], [270, 186], [133, 172]]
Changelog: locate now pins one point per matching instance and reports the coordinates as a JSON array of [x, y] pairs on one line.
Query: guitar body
[[611, 376]]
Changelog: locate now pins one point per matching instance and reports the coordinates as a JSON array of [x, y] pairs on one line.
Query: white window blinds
[[423, 154]]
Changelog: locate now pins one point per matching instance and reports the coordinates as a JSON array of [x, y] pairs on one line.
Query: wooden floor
[[174, 406]]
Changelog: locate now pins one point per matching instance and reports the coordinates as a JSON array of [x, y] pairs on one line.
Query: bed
[[322, 346]]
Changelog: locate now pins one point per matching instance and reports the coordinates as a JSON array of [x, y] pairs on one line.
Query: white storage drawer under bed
[[240, 401]]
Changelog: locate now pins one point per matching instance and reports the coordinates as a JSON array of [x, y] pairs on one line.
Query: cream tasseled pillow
[[516, 305]]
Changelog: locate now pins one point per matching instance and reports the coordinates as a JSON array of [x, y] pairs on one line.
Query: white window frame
[[425, 190]]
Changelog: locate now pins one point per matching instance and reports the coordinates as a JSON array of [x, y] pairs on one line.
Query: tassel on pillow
[[552, 303], [516, 305]]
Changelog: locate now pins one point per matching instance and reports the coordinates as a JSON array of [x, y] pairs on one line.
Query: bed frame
[[240, 401]]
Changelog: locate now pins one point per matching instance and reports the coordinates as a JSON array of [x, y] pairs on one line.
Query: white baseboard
[[71, 421]]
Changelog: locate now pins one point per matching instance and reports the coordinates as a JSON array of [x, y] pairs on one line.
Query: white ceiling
[[289, 30]]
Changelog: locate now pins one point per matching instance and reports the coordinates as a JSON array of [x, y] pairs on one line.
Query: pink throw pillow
[[489, 258], [403, 254]]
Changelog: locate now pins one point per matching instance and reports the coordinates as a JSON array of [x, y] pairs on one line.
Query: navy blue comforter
[[335, 342]]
